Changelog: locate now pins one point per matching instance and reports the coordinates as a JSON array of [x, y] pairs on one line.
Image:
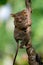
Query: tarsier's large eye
[[18, 19], [24, 13]]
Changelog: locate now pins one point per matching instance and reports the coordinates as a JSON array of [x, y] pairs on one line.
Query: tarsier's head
[[20, 16], [22, 19]]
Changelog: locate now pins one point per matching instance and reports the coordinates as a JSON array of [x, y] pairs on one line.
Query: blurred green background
[[7, 41]]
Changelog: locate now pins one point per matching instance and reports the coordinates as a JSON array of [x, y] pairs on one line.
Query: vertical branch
[[33, 58], [28, 3], [29, 49]]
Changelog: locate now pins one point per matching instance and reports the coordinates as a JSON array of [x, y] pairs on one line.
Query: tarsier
[[22, 33]]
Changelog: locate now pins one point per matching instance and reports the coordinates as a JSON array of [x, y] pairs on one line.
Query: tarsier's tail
[[16, 54]]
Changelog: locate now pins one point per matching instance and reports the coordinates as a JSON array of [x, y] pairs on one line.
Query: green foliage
[[37, 3], [3, 2], [37, 29]]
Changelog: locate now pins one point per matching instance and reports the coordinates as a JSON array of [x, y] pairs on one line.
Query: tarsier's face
[[21, 16], [22, 19]]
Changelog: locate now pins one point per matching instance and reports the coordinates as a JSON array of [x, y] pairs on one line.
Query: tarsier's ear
[[13, 15], [23, 12]]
